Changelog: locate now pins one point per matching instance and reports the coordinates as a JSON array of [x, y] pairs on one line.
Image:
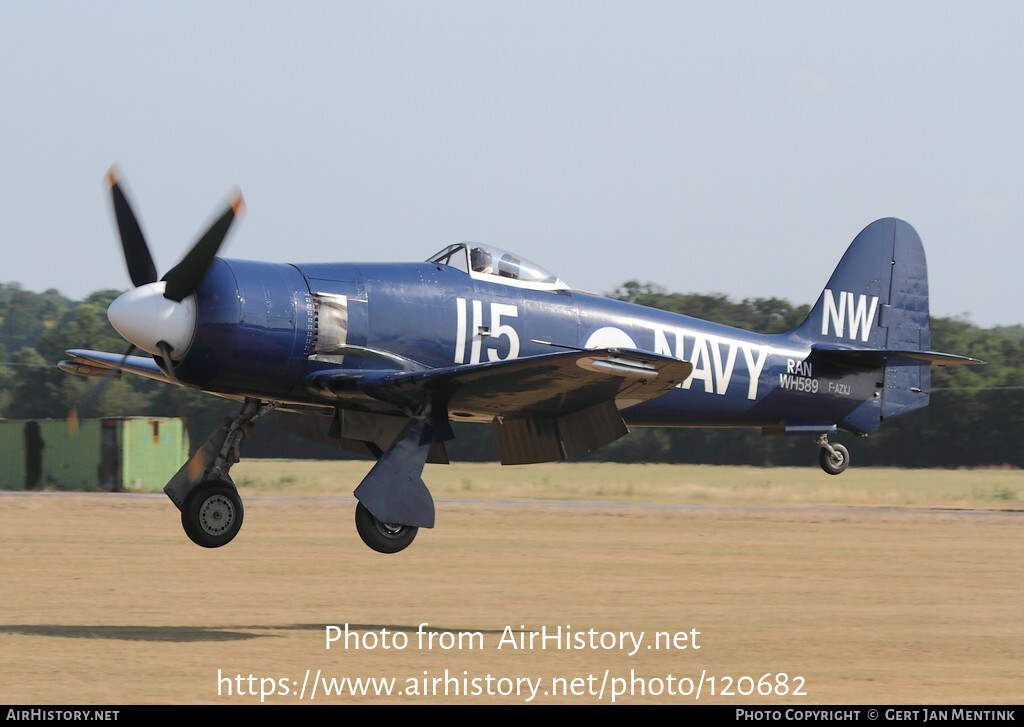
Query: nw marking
[[851, 312]]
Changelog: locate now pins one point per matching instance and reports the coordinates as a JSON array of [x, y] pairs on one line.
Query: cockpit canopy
[[488, 262]]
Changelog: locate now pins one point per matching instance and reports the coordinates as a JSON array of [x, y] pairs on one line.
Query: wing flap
[[551, 439]]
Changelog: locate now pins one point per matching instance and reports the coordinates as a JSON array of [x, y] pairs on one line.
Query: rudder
[[906, 321]]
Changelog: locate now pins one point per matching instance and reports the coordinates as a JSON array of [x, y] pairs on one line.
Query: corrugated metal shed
[[118, 454]]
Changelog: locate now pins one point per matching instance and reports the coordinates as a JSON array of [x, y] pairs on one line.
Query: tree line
[[975, 417]]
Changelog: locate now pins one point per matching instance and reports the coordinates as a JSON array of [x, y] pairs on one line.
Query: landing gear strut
[[394, 502], [211, 509], [834, 458]]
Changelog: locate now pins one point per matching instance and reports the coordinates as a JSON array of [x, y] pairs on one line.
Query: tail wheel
[[836, 461], [380, 536]]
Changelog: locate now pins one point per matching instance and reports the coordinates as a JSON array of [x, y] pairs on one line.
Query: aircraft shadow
[[188, 634]]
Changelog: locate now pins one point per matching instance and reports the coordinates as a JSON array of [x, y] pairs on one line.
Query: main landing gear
[[393, 501], [211, 508], [381, 536], [833, 458]]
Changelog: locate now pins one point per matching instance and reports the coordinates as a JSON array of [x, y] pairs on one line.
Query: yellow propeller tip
[[237, 203], [73, 422], [195, 467], [113, 176]]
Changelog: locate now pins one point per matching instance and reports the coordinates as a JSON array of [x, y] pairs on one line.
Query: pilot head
[[480, 259]]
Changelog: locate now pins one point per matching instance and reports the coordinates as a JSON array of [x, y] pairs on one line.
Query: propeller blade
[[73, 422], [136, 253], [184, 278], [166, 362], [98, 391]]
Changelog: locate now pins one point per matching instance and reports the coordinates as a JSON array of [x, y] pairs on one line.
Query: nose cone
[[144, 317]]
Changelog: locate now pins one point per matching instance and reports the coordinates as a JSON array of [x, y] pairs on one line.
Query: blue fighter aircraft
[[382, 357]]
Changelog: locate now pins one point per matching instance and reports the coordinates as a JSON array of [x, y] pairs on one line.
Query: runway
[[107, 602]]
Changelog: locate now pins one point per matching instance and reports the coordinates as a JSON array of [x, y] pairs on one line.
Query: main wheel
[[835, 463], [380, 536], [213, 513]]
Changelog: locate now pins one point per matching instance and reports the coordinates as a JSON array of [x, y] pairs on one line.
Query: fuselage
[[263, 328]]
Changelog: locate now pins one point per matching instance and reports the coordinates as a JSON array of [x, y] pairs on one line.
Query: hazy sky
[[707, 147]]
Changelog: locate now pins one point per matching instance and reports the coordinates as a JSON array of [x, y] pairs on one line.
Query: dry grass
[[694, 484], [105, 601]]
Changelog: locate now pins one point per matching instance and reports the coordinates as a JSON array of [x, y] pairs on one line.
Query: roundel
[[609, 337]]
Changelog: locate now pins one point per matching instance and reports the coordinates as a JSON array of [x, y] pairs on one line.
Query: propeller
[[158, 316]]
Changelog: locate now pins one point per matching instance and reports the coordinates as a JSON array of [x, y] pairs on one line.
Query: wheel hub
[[391, 530], [216, 515]]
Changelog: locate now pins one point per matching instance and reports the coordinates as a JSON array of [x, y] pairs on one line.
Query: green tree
[[28, 315], [975, 417]]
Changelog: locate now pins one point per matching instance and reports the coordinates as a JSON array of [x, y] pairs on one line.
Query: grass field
[[875, 587], [645, 483]]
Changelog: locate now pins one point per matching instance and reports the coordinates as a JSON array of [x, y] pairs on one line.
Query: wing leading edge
[[99, 363]]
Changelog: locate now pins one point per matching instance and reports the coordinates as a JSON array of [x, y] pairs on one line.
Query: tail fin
[[873, 314]]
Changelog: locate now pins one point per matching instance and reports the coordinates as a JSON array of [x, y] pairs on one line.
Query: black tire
[[383, 537], [213, 514], [834, 464]]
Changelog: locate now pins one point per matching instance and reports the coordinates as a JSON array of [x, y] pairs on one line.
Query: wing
[[99, 363], [545, 408]]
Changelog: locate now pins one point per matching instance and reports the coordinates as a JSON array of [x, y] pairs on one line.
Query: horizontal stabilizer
[[876, 358]]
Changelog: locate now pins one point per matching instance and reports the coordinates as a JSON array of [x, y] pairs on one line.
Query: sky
[[731, 147]]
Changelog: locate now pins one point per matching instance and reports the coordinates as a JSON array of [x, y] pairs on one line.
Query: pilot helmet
[[480, 259]]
